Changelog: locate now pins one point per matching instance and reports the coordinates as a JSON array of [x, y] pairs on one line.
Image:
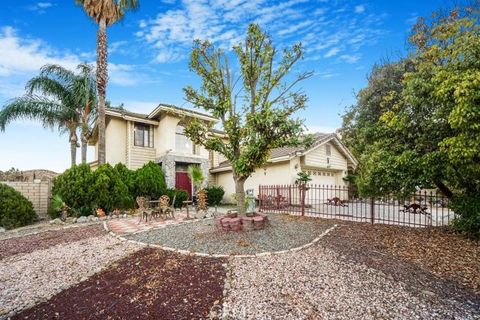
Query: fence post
[[372, 209], [303, 190]]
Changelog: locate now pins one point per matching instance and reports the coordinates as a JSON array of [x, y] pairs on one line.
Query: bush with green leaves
[[181, 195], [469, 220], [74, 187], [127, 176], [214, 195], [149, 181], [108, 190], [15, 210]]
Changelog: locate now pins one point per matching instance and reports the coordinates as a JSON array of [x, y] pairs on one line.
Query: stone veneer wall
[[169, 166], [38, 192]]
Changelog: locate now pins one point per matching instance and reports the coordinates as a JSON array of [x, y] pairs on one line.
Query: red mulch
[[434, 259], [47, 239], [149, 284]]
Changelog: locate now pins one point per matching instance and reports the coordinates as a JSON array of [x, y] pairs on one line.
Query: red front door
[[182, 181]]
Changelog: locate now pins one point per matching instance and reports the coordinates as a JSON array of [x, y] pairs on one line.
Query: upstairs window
[[182, 143], [143, 135], [328, 150]]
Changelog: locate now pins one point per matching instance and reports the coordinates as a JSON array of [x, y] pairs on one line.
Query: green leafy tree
[[104, 13], [430, 134], [256, 108], [57, 98]]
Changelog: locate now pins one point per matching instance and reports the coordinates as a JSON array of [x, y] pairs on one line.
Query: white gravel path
[[315, 284], [27, 279]]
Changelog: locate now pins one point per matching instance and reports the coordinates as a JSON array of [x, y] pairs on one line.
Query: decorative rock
[[56, 221], [82, 219], [70, 220], [2, 230], [95, 219], [89, 218]]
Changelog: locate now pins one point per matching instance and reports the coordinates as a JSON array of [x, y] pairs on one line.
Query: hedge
[[214, 195], [15, 210]]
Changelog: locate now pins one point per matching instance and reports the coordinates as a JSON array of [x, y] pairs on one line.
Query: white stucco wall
[[278, 173], [116, 141], [165, 134], [315, 163]]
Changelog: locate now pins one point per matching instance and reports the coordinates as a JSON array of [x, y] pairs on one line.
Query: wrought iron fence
[[420, 209]]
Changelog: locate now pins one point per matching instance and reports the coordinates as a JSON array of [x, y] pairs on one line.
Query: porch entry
[[182, 181]]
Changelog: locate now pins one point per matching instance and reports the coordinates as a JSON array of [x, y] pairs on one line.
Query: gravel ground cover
[[316, 284], [284, 232], [150, 284], [425, 253], [46, 239], [26, 279]]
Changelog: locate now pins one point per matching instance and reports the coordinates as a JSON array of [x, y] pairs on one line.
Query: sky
[[149, 51]]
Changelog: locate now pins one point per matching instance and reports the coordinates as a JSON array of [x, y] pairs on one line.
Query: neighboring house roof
[[286, 153]]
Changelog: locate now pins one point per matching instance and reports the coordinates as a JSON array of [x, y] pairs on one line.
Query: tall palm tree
[[56, 98], [86, 104], [104, 13]]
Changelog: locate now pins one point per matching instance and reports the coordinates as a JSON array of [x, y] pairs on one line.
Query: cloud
[[332, 52], [327, 74], [349, 58], [324, 28], [40, 7], [360, 9], [22, 57]]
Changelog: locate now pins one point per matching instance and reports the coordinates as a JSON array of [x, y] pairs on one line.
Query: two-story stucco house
[[135, 139]]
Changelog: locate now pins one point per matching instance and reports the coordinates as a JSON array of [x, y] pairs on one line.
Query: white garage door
[[324, 186]]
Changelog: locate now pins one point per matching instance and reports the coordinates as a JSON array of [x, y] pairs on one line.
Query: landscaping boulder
[[82, 219]]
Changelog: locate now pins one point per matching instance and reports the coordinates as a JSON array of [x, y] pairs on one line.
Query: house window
[[328, 150], [143, 135], [182, 143]]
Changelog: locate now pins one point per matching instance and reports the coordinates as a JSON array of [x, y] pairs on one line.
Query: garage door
[[325, 182]]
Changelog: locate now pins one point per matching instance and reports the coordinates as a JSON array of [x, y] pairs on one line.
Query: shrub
[[149, 181], [73, 186], [15, 210], [181, 195], [214, 195], [108, 190], [127, 176], [468, 208]]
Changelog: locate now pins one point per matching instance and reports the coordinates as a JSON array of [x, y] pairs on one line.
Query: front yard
[[355, 271]]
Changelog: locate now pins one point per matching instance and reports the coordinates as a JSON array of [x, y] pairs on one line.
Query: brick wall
[[38, 192]]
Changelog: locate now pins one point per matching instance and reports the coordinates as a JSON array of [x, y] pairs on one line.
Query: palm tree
[[104, 13], [56, 98], [86, 104]]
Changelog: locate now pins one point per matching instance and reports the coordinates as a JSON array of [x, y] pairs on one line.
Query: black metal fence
[[420, 209]]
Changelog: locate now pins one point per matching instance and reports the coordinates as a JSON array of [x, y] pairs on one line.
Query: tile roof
[[286, 151]]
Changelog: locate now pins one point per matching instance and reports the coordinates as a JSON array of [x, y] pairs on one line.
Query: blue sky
[[149, 54]]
